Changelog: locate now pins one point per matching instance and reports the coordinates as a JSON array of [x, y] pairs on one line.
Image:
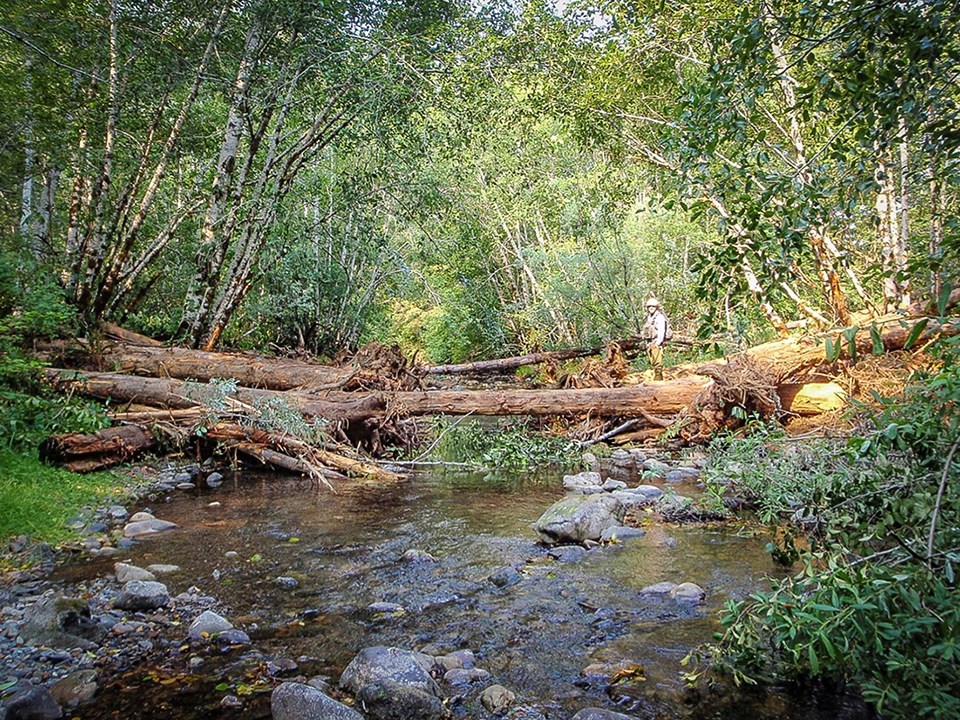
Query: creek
[[298, 566]]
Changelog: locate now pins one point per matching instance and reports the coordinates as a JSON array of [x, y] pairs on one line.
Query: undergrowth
[[507, 444], [874, 602]]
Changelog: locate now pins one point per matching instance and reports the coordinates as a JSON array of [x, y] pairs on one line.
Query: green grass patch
[[37, 500]]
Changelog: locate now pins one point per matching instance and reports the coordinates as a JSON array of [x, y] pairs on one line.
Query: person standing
[[655, 331]]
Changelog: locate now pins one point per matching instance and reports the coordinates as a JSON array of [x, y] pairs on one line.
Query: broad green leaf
[[944, 297], [877, 340], [915, 334]]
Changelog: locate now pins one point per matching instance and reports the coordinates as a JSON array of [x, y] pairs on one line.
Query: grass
[[37, 500]]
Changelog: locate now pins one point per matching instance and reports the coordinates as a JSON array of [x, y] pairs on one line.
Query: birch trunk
[[214, 241]]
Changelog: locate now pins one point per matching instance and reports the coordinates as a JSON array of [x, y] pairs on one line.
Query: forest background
[[476, 180]]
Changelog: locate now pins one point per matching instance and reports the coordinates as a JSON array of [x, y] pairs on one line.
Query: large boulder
[[32, 702], [576, 518], [59, 621], [296, 701], [389, 700], [381, 664]]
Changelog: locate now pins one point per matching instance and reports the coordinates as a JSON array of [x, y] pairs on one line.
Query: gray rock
[[296, 701], [143, 595], [462, 676], [688, 593], [125, 573], [621, 533], [117, 512], [186, 486], [459, 660], [390, 700], [655, 467], [77, 688], [497, 699], [639, 456], [207, 624], [660, 588], [385, 610], [600, 714], [214, 480], [610, 485], [287, 581], [619, 474], [582, 481], [233, 637], [505, 577], [32, 702], [579, 517], [380, 664], [162, 569], [147, 527], [142, 515], [568, 553], [59, 621], [417, 556]]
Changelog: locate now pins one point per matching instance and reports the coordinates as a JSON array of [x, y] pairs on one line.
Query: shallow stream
[[309, 563]]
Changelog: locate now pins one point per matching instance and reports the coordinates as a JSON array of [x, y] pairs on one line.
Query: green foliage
[[508, 444], [875, 603], [32, 310], [37, 500]]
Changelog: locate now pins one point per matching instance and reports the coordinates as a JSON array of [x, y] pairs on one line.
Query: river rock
[[577, 518], [600, 714], [163, 569], [214, 480], [385, 611], [296, 701], [32, 702], [611, 485], [688, 593], [505, 577], [568, 553], [140, 528], [655, 467], [77, 688], [125, 573], [207, 624], [458, 658], [143, 595], [380, 664], [391, 700], [584, 482], [621, 532], [638, 496], [414, 555], [462, 676], [59, 621], [142, 515], [660, 588], [497, 699]]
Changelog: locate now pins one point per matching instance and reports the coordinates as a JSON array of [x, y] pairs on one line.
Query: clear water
[[535, 637]]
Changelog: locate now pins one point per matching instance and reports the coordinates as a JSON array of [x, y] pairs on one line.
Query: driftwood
[[87, 452]]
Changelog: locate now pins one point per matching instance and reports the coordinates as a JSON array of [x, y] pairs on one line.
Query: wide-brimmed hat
[[653, 302]]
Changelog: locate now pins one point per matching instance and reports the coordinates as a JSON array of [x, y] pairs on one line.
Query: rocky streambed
[[566, 596]]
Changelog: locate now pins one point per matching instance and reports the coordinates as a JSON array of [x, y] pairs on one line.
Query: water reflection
[[343, 549]]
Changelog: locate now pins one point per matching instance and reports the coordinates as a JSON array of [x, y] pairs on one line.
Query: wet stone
[[568, 553], [505, 577]]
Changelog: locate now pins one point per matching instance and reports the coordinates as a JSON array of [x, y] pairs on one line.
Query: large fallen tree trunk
[[183, 363], [660, 398]]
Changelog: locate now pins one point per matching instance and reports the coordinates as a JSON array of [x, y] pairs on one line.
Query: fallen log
[[80, 452], [811, 398], [661, 398], [183, 363], [501, 365]]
